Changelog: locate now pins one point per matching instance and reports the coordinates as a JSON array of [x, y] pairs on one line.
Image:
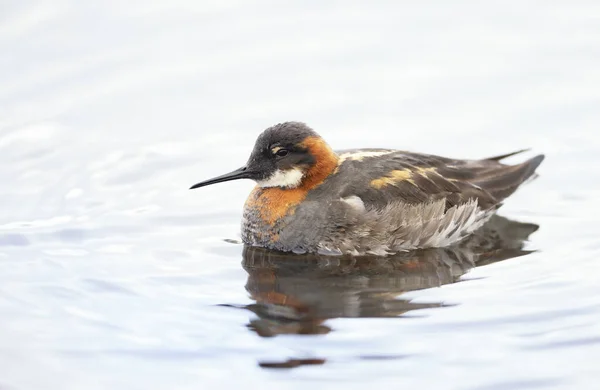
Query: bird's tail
[[501, 182]]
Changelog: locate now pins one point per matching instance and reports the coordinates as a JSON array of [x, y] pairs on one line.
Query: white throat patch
[[290, 178]]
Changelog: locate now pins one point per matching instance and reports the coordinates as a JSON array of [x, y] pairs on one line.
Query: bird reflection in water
[[297, 294]]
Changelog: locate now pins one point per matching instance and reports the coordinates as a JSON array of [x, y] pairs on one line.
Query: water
[[114, 275]]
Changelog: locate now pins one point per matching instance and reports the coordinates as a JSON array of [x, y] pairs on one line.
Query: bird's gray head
[[282, 156]]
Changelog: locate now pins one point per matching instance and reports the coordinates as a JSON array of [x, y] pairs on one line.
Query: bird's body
[[365, 201]]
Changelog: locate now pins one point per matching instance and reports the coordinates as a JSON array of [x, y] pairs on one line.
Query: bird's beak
[[241, 173]]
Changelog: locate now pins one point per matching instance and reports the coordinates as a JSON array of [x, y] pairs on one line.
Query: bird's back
[[381, 201], [380, 176]]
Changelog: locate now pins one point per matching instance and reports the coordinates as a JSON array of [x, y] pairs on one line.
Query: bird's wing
[[379, 177]]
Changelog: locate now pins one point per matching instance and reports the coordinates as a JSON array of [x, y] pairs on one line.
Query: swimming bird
[[309, 198]]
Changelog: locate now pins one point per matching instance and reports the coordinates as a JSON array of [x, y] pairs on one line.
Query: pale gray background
[[110, 269]]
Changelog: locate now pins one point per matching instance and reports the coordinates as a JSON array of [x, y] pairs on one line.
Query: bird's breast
[[273, 203], [265, 211]]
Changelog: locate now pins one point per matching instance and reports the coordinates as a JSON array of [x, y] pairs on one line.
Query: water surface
[[114, 275]]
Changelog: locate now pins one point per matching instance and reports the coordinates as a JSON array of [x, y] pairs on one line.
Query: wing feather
[[416, 178]]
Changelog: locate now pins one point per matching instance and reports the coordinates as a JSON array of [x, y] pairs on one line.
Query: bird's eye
[[282, 152]]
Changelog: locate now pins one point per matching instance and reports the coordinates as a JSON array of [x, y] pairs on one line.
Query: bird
[[309, 198]]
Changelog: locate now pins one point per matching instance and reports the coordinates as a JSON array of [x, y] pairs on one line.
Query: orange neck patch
[[273, 203]]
